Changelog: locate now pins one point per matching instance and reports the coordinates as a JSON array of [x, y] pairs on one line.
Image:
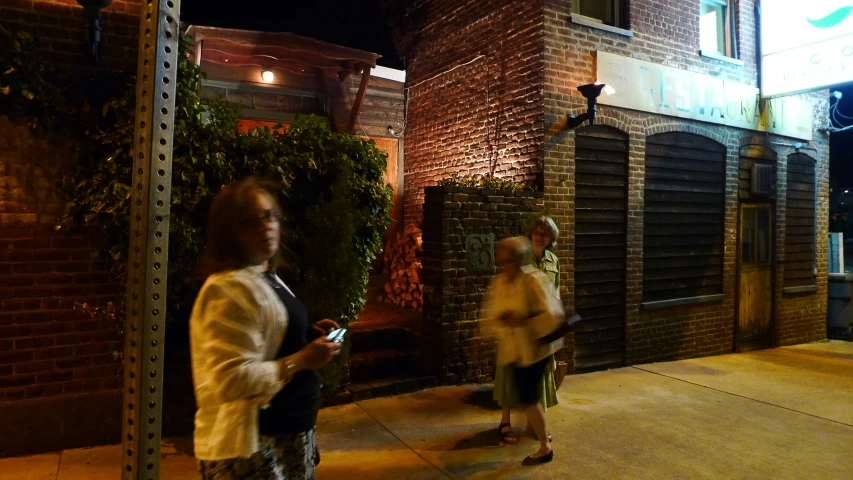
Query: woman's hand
[[318, 353], [326, 326]]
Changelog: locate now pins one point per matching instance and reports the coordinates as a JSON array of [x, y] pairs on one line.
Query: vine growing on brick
[[336, 204], [485, 181], [31, 92]]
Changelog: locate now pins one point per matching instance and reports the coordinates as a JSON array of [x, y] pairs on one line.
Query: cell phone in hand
[[337, 336]]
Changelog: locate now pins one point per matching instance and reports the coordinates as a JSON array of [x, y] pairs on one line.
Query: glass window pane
[[747, 234], [764, 234], [598, 9], [712, 27]]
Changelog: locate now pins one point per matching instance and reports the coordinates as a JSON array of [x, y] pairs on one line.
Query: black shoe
[[531, 460]]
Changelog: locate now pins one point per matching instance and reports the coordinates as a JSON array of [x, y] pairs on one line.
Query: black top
[[294, 408]]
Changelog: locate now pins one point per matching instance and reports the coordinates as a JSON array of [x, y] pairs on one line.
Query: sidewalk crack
[[742, 396], [443, 472]]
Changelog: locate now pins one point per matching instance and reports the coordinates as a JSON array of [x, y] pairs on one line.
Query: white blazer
[[529, 292], [236, 328]]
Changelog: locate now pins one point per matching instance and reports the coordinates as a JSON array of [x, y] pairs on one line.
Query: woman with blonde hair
[[520, 309], [543, 235]]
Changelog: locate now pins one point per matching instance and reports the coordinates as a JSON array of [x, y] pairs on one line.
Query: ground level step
[[376, 364], [376, 313], [383, 337], [389, 386]]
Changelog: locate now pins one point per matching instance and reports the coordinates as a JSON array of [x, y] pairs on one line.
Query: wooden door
[[601, 187], [755, 277], [391, 146], [245, 125]]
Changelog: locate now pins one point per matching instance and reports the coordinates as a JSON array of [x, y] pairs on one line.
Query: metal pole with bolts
[[149, 238]]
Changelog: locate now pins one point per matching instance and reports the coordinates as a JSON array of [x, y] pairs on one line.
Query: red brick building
[[687, 229]]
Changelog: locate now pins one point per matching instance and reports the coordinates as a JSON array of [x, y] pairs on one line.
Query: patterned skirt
[[285, 457], [506, 393]]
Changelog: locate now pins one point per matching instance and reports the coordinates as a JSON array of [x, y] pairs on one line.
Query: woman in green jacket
[[543, 234]]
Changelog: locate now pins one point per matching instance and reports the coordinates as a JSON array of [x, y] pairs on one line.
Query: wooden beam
[[293, 66], [359, 98], [197, 52], [279, 52], [253, 38]]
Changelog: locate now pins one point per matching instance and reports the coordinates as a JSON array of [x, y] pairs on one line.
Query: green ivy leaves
[[485, 181]]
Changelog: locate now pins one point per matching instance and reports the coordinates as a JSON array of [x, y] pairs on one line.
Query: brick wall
[[58, 368], [453, 295], [60, 26], [666, 33], [46, 348], [494, 103], [801, 318]]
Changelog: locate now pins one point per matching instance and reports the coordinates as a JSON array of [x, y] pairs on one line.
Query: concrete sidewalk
[[785, 413]]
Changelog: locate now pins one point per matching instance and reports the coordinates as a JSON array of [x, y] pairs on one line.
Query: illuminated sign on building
[[649, 87], [805, 46]]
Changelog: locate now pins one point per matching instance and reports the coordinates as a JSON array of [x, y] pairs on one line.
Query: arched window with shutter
[[800, 223], [684, 216]]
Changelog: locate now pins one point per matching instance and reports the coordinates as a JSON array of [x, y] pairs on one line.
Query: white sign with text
[[805, 46], [654, 88]]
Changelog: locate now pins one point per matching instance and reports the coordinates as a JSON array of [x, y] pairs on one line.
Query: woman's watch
[[289, 369]]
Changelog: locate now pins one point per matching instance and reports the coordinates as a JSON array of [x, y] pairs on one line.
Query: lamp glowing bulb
[[607, 90], [268, 76]]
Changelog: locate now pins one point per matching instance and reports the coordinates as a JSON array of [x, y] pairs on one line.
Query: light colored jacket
[[549, 264], [529, 292], [236, 328]]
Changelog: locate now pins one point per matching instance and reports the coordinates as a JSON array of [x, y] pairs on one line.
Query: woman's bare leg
[[536, 419], [505, 428], [505, 415]]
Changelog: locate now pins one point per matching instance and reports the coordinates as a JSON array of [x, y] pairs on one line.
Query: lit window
[[716, 28], [609, 12]]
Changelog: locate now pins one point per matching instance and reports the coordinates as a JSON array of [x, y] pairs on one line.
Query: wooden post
[[359, 98]]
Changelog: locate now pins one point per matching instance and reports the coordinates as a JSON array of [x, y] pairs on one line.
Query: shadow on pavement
[[482, 397], [486, 439]]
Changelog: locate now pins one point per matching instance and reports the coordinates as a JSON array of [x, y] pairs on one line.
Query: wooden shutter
[[601, 187], [684, 216], [800, 221]]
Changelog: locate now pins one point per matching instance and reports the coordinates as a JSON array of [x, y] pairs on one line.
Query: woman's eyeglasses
[[262, 218]]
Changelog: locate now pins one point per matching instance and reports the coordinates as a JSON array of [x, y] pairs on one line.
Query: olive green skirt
[[506, 394]]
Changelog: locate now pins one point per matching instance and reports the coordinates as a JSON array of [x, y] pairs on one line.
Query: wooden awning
[[286, 51]]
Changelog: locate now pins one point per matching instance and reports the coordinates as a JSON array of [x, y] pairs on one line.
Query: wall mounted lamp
[[267, 76], [591, 92], [93, 11]]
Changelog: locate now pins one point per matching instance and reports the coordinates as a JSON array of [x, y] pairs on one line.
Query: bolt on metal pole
[[149, 238]]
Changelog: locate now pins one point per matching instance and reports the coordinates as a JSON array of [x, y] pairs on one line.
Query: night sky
[[841, 143], [354, 23]]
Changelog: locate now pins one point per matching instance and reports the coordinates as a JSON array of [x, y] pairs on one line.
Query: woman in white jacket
[[520, 309], [238, 324]]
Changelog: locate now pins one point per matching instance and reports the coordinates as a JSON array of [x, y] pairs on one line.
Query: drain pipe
[[757, 10]]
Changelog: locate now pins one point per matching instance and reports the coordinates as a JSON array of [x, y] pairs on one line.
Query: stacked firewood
[[402, 261]]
